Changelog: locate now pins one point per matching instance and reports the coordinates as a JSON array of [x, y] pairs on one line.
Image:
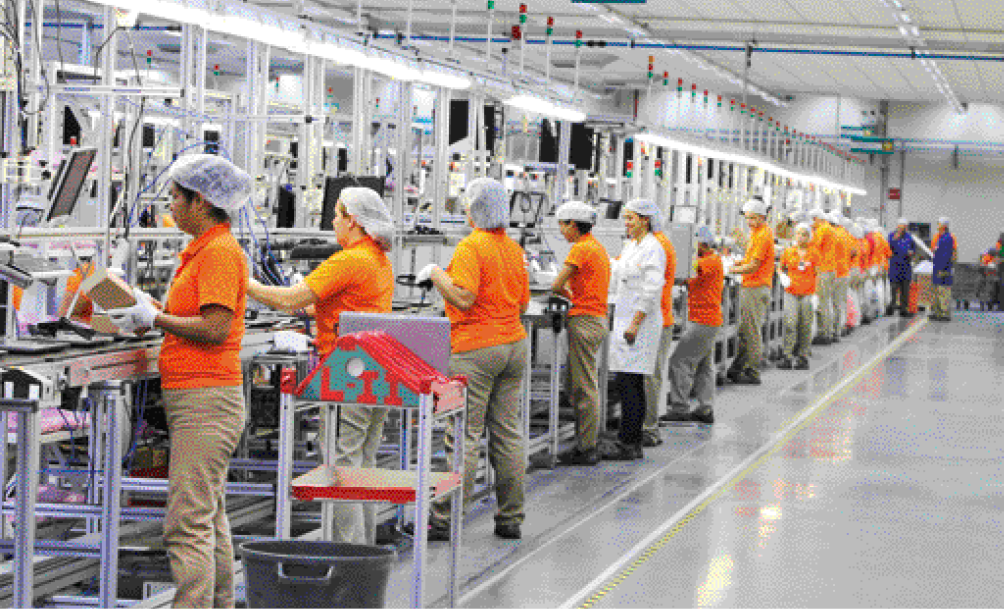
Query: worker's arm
[[210, 327], [559, 286], [282, 298], [452, 293]]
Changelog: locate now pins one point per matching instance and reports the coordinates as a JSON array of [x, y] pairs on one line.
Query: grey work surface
[[890, 496]]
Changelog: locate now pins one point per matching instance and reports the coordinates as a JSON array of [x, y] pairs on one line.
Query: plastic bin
[[305, 574]]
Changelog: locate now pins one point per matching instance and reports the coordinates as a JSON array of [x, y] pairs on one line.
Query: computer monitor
[[613, 208], [286, 214], [333, 188], [69, 181], [525, 209]]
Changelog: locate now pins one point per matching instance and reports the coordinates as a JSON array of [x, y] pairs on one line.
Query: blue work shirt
[[944, 248], [903, 248]]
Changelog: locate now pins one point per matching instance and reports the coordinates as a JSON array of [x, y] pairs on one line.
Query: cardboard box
[[107, 290], [104, 325]]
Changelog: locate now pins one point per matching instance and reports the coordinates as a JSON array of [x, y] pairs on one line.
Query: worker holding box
[[201, 377], [358, 278]]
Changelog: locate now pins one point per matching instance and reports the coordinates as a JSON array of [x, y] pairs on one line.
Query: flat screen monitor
[[549, 141], [490, 129], [613, 208], [286, 214], [333, 188], [581, 149], [149, 136], [525, 208], [69, 182], [460, 109]]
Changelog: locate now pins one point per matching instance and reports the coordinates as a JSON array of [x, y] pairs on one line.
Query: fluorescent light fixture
[[444, 79], [914, 31], [536, 105], [904, 17]]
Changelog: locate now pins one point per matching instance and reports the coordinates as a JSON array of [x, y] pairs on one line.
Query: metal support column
[[107, 397], [564, 149], [28, 454]]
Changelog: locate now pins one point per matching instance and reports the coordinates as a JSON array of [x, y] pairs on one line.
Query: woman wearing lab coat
[[638, 278]]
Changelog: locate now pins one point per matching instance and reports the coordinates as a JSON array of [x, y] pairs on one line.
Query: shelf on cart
[[369, 484]]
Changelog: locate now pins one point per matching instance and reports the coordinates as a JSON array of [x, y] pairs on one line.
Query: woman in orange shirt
[[487, 288], [201, 376], [692, 365], [358, 278], [799, 265]]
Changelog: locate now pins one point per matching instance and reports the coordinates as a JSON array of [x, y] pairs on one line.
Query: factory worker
[[865, 283], [883, 254], [823, 244], [843, 250], [585, 280], [757, 270], [653, 382], [901, 266], [799, 264], [358, 278], [946, 253], [487, 288], [692, 367], [200, 369], [638, 278]]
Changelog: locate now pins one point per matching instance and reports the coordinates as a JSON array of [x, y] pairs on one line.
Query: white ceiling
[[959, 27]]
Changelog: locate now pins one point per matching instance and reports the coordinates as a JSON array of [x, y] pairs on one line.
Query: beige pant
[[797, 324], [753, 304], [494, 378], [360, 431], [840, 287], [653, 382], [692, 367], [942, 303], [585, 339], [205, 425], [824, 292]]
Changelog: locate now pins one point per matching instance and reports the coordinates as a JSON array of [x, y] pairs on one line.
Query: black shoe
[[785, 363], [866, 321], [705, 416], [675, 416], [624, 452], [845, 332], [577, 456], [802, 363], [749, 378], [821, 340], [508, 531], [437, 531], [733, 374], [835, 340], [906, 314], [651, 440]]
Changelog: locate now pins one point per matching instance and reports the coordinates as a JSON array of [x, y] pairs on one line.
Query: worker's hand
[[631, 334], [785, 280], [677, 292], [138, 318], [424, 277]]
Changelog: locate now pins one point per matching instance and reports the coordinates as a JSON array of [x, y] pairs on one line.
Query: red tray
[[368, 484]]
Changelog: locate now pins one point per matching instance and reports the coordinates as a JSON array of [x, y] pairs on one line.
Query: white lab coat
[[636, 284]]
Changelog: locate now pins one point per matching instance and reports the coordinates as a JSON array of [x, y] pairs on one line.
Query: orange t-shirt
[[885, 252], [489, 265], [801, 267], [213, 271], [590, 282], [865, 257], [15, 297], [667, 289], [854, 251], [822, 241], [841, 253], [761, 248], [704, 303], [358, 278]]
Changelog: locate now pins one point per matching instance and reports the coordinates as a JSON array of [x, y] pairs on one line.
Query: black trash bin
[[306, 574]]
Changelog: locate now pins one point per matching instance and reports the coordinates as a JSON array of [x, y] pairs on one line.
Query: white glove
[[426, 273], [677, 292], [874, 272], [139, 317], [815, 302], [785, 280]]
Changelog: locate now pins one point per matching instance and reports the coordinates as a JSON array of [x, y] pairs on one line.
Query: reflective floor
[[872, 480]]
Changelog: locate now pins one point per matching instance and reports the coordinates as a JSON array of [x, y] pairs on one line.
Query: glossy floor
[[872, 480]]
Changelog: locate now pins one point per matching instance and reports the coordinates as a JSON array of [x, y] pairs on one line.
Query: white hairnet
[[576, 211], [804, 226], [647, 208], [219, 181], [817, 213], [485, 198], [943, 221], [755, 206], [705, 235], [367, 207], [902, 222], [857, 232]]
